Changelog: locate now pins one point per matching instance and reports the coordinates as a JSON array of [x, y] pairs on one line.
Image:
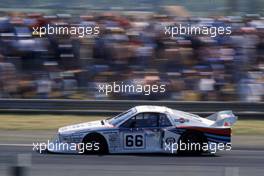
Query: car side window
[[147, 120], [164, 121], [142, 120], [130, 123]]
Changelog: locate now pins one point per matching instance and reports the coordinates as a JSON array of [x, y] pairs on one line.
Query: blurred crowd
[[132, 49]]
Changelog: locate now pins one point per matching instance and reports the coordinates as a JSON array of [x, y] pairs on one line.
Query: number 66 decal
[[134, 141]]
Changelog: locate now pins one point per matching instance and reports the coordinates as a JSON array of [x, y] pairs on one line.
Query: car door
[[141, 133]]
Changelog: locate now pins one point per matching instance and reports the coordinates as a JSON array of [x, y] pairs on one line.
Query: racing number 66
[[134, 141]]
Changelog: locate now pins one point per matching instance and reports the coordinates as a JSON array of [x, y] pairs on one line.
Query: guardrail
[[109, 107]]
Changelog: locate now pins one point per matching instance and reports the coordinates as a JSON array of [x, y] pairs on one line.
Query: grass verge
[[41, 122], [249, 127]]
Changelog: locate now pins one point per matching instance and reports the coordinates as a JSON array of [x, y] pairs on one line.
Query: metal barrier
[[107, 107]]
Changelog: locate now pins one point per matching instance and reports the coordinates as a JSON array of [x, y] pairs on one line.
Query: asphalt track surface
[[231, 163]]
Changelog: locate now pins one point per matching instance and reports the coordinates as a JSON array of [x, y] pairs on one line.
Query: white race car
[[147, 129]]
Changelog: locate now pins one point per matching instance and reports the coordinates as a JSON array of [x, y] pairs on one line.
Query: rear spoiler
[[223, 119]]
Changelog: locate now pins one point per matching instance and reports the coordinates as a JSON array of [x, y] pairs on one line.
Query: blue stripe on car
[[217, 137], [217, 141]]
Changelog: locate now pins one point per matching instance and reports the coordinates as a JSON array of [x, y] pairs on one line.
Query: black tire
[[194, 143], [97, 140]]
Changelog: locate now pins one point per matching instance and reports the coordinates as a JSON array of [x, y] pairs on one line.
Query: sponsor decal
[[182, 120]]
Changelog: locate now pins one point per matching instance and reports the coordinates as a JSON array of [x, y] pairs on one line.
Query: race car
[[147, 129]]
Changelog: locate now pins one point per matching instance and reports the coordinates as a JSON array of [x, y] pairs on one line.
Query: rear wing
[[223, 119]]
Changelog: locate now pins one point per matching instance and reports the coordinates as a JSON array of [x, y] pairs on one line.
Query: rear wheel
[[95, 144], [191, 143]]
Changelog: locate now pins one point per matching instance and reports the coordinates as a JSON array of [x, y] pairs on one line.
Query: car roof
[[151, 108]]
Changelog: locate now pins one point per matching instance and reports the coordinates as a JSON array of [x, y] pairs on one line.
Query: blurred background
[[132, 48]]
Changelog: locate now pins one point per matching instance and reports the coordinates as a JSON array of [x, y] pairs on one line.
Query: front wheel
[[95, 144]]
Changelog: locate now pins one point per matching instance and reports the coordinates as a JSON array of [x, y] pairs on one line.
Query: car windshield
[[120, 117]]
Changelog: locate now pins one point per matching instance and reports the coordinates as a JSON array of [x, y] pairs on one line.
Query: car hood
[[84, 126]]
